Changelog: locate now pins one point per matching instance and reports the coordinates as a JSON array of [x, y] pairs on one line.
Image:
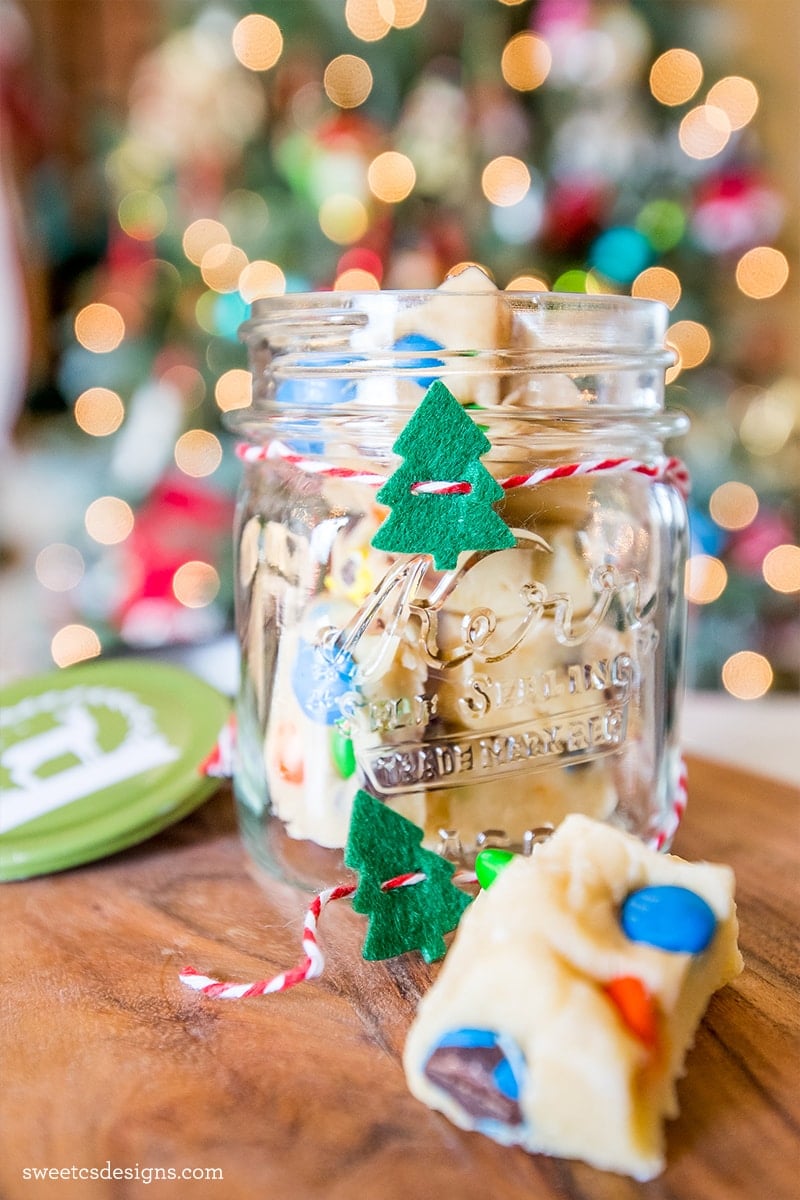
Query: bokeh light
[[347, 81], [518, 224], [573, 280], [505, 180], [526, 62], [527, 283], [59, 567], [257, 42], [675, 76], [704, 131], [402, 14], [365, 20], [705, 578], [737, 97], [691, 340], [230, 310], [188, 381], [343, 218], [201, 236], [234, 389], [99, 411], [762, 272], [109, 520], [261, 278], [747, 675], [195, 584], [769, 420], [221, 267], [658, 283], [354, 279], [600, 285], [621, 253], [198, 453], [391, 177], [781, 568], [733, 505], [361, 258], [245, 212], [142, 215], [127, 303], [204, 311], [74, 643], [99, 328], [663, 223], [414, 268]]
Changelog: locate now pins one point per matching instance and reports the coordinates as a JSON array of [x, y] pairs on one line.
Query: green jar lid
[[98, 757]]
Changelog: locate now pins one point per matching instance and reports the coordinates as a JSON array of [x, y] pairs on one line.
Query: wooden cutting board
[[109, 1063]]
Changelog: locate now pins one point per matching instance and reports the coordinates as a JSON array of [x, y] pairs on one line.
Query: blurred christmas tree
[[575, 145]]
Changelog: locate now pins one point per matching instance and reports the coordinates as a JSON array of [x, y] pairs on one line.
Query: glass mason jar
[[490, 687]]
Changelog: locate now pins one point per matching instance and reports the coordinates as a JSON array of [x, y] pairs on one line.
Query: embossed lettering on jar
[[487, 698]]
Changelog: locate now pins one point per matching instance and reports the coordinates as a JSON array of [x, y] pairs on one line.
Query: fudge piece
[[566, 1005], [322, 705], [396, 697], [546, 389], [478, 325], [519, 802]]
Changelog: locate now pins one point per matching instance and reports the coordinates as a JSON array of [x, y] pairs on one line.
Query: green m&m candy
[[342, 753], [490, 862]]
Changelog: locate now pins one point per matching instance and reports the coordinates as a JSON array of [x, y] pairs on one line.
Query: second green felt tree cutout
[[381, 845], [442, 444]]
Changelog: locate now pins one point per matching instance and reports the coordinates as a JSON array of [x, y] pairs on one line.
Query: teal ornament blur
[[230, 310], [621, 253]]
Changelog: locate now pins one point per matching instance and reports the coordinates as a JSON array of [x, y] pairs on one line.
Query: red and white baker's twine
[[675, 816], [219, 762], [662, 470], [313, 964]]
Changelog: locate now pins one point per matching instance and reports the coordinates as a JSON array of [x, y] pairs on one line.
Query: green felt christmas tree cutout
[[381, 845], [441, 443]]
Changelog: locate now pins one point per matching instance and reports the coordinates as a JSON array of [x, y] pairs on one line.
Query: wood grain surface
[[108, 1059]]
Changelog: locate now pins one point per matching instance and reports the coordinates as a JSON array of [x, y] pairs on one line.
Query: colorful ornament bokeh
[[564, 144]]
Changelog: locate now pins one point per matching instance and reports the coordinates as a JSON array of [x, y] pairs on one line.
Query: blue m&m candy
[[468, 1038], [668, 917], [316, 391], [320, 680], [417, 342], [483, 1071]]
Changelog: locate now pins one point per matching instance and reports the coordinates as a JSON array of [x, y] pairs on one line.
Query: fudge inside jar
[[477, 617]]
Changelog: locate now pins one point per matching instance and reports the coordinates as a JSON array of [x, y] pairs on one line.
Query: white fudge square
[[478, 325], [520, 1036]]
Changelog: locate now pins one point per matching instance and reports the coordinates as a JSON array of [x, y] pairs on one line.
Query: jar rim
[[340, 299], [581, 324], [343, 355]]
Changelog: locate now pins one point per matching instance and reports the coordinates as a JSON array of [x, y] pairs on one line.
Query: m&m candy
[[342, 753], [489, 863], [668, 917], [483, 1071], [320, 680], [422, 345]]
